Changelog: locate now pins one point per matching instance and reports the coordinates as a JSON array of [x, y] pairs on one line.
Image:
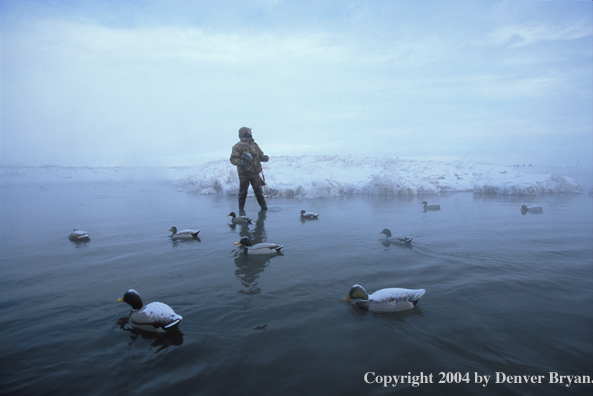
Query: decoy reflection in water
[[159, 340]]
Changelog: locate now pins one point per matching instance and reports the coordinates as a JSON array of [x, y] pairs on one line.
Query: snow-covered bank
[[323, 176], [319, 177]]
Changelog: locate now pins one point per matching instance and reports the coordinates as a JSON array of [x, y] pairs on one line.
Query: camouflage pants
[[256, 183]]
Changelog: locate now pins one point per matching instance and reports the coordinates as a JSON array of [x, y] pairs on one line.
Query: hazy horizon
[[124, 84]]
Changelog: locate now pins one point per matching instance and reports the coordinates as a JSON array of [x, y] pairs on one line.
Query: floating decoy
[[79, 236], [390, 238], [308, 215], [532, 209], [431, 206], [184, 234], [239, 219], [259, 248], [385, 300], [154, 317]]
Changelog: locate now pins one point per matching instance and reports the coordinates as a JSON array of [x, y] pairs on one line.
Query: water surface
[[505, 292]]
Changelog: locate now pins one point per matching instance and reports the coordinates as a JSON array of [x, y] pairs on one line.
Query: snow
[[313, 177]]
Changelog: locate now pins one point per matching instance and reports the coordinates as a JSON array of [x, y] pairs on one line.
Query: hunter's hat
[[243, 131]]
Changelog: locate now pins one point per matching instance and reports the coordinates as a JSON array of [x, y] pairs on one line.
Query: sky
[[169, 83]]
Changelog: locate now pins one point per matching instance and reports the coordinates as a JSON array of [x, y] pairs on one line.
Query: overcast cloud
[[151, 83]]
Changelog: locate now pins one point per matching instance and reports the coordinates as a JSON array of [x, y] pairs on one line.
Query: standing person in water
[[247, 157]]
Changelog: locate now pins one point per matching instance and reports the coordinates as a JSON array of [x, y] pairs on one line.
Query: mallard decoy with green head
[[184, 234], [239, 219], [259, 248], [154, 317], [400, 239], [428, 206]]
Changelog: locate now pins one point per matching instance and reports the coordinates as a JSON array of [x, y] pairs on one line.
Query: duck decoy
[[239, 219], [79, 236], [154, 317], [183, 234], [532, 209], [385, 300], [390, 238], [259, 248], [308, 215], [431, 206]]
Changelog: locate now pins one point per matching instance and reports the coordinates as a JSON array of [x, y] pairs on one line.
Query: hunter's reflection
[[249, 267]]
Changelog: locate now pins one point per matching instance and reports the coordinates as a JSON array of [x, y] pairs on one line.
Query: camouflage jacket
[[247, 145]]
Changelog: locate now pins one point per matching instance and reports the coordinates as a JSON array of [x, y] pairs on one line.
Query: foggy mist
[[149, 84]]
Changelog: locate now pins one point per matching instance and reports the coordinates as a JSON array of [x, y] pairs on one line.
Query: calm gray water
[[505, 292]]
